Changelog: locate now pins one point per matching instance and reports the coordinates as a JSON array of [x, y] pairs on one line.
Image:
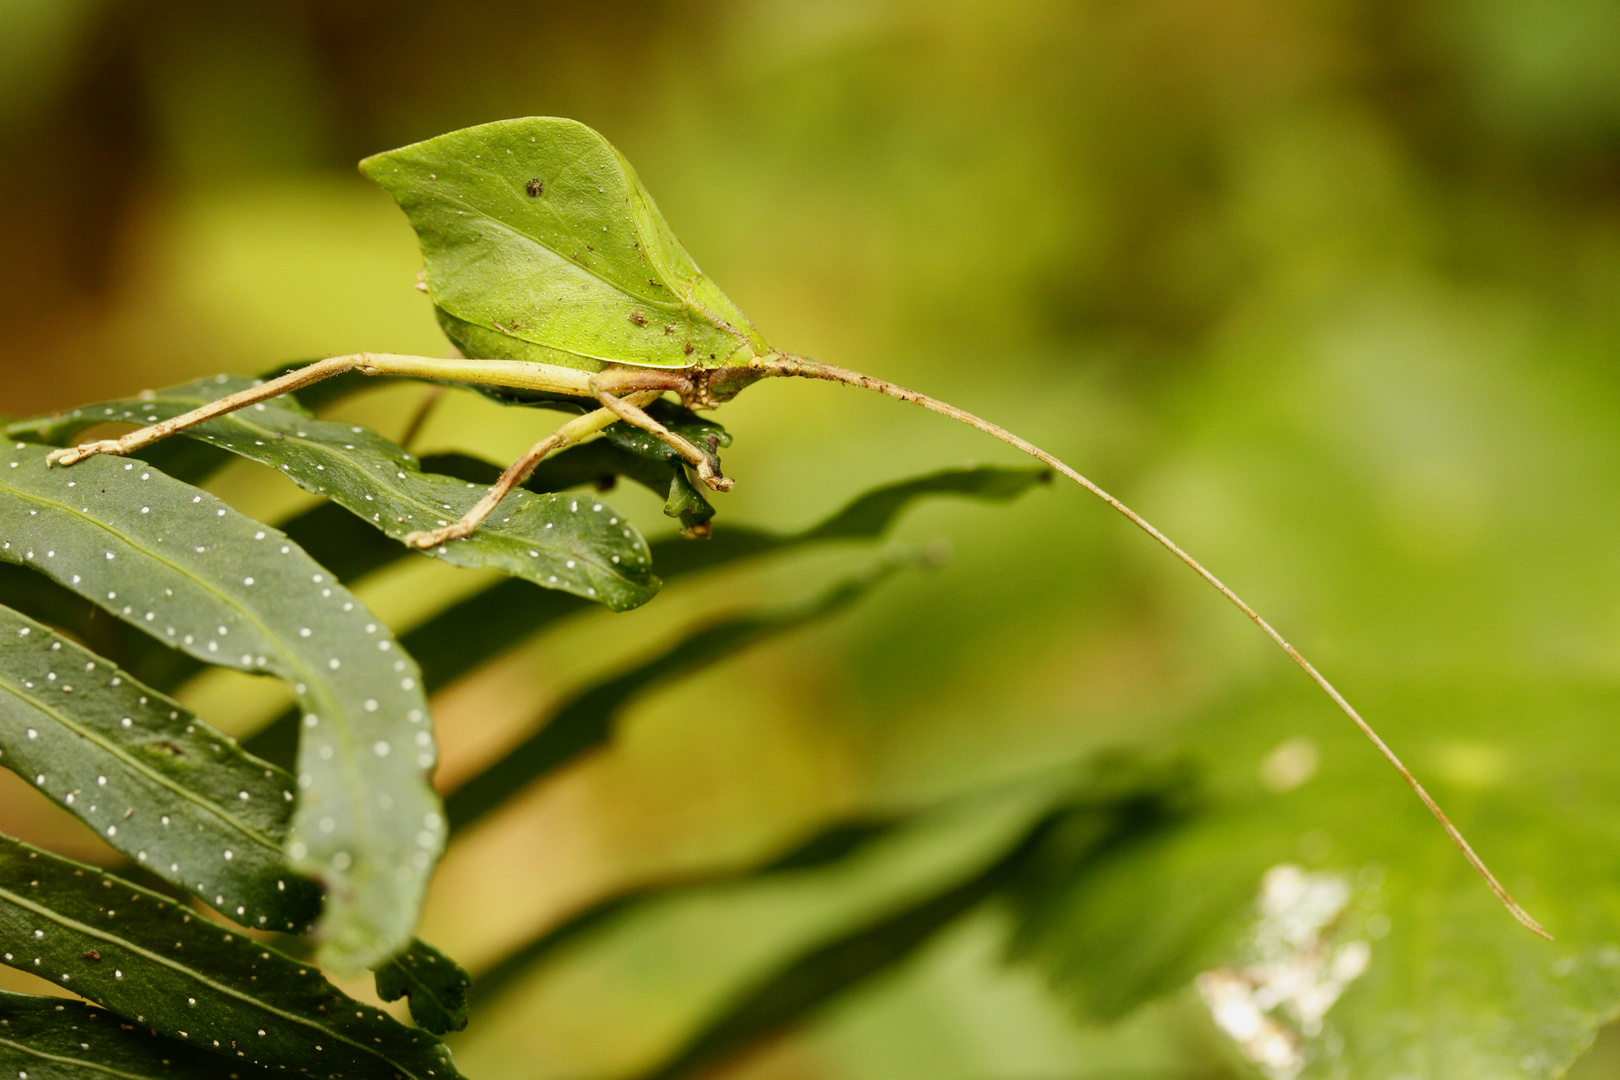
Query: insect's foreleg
[[545, 377], [519, 471], [609, 385], [293, 380]]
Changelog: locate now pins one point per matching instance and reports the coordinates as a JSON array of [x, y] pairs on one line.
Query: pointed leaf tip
[[435, 984], [541, 244]]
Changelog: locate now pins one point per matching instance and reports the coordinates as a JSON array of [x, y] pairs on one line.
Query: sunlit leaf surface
[[1433, 978], [541, 244]]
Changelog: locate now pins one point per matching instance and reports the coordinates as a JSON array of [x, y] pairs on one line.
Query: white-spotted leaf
[[148, 777], [181, 975], [196, 574], [49, 1038], [435, 984], [558, 541]]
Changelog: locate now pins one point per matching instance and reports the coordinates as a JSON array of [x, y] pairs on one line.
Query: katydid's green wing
[[541, 244]]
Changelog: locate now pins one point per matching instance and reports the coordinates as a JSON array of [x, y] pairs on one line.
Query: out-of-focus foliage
[[1330, 290]]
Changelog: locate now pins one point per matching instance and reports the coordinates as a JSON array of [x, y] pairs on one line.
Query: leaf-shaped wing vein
[[688, 299], [442, 197]]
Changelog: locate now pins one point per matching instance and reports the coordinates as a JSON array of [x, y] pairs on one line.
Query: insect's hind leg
[[146, 436], [519, 471], [608, 386]]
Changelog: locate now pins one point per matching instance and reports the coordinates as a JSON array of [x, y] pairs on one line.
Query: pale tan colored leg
[[631, 413], [293, 380], [524, 375], [570, 433]]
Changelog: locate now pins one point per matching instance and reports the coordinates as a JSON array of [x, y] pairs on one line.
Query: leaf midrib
[[423, 506], [162, 961], [34, 1051], [118, 751], [482, 215], [350, 756]]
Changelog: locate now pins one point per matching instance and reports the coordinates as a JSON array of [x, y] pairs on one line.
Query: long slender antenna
[[803, 367]]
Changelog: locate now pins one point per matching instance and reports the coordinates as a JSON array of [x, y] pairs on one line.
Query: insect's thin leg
[[519, 471], [706, 465], [550, 378], [293, 380]]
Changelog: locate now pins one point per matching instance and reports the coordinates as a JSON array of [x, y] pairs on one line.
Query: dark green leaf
[[38, 596], [472, 631], [435, 984], [557, 541], [49, 1038], [779, 943], [459, 638], [872, 514], [149, 778], [587, 720], [1287, 870], [188, 569], [866, 518], [148, 958], [647, 461], [541, 244], [329, 534]]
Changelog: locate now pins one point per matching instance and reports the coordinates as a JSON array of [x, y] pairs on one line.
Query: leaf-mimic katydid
[[552, 271]]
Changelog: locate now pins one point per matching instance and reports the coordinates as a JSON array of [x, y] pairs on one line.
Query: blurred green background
[[1328, 289]]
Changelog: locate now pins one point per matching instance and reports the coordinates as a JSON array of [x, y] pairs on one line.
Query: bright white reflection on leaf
[[1277, 1001]]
